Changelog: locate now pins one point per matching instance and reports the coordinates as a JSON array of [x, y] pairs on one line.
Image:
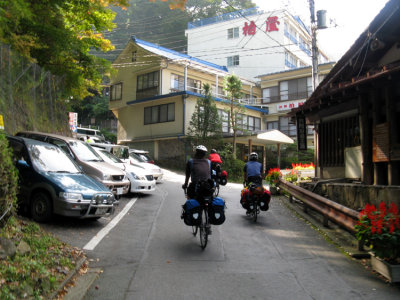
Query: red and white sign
[[73, 121], [271, 25], [288, 105]]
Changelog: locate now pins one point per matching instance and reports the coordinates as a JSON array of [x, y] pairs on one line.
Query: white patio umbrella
[[274, 136]]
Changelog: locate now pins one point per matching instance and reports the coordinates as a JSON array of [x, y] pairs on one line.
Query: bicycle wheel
[[203, 229], [194, 230], [216, 191], [255, 210]]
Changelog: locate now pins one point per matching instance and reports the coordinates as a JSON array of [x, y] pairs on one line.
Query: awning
[[274, 136]]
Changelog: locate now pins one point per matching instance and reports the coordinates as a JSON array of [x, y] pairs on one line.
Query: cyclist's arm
[[245, 173], [187, 173]]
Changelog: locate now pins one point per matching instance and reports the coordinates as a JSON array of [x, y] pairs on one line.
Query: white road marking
[[102, 233]]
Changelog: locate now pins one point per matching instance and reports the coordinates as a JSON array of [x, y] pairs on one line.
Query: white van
[[82, 132]]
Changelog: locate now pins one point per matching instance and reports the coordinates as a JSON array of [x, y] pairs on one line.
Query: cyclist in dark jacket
[[253, 170], [198, 169]]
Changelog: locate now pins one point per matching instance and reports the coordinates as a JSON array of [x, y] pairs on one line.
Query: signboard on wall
[[301, 132], [288, 105], [73, 121], [380, 143]]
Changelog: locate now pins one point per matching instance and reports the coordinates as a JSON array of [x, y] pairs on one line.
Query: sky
[[346, 20]]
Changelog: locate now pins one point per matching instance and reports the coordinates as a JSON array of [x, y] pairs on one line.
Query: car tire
[[41, 207]]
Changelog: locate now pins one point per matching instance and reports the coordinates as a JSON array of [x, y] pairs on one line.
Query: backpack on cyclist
[[205, 188], [216, 211], [191, 212]]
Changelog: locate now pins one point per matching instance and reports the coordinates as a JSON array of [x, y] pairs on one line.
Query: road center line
[[102, 233]]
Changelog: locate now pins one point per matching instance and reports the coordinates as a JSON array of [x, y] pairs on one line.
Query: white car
[[135, 160], [141, 180]]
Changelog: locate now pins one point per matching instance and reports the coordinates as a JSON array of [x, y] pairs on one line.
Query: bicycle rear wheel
[[203, 229], [216, 191], [255, 210]]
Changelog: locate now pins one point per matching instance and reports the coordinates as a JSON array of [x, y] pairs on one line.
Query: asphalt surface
[[151, 254]]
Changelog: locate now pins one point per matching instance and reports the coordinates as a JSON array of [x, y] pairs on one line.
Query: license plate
[[101, 211], [120, 191]]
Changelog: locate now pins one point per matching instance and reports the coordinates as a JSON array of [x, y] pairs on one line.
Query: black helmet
[[213, 151], [253, 156]]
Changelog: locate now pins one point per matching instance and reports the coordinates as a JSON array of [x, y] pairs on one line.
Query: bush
[[8, 177], [234, 167]]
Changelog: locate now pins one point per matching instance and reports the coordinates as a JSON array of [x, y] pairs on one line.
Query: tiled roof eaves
[[184, 56], [189, 93]]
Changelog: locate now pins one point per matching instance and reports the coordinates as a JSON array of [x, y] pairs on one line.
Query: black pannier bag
[[216, 211]]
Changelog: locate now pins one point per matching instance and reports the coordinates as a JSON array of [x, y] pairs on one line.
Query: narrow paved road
[[151, 254]]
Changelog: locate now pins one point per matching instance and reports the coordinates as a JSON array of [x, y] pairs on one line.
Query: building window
[[224, 115], [147, 85], [178, 84], [159, 113], [336, 135], [248, 122], [286, 127], [305, 46], [233, 60], [290, 60], [270, 94], [296, 89], [116, 92], [272, 125], [220, 93], [134, 56], [233, 33]]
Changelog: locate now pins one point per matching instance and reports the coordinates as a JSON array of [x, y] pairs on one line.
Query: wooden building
[[356, 109]]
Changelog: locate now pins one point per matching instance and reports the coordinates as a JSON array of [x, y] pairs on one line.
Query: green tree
[[233, 87], [205, 124], [58, 35]]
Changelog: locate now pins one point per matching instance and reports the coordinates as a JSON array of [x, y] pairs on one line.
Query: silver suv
[[91, 163]]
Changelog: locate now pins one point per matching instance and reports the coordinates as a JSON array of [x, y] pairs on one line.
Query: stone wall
[[355, 196]]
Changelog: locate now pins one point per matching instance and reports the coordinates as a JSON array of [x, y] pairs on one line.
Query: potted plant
[[379, 229], [272, 179]]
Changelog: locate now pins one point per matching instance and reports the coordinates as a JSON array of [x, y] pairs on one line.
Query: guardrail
[[335, 212]]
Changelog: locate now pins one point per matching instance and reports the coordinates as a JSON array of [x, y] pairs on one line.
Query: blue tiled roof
[[265, 111], [175, 54]]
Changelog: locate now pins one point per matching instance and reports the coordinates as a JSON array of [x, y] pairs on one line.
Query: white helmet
[[201, 148]]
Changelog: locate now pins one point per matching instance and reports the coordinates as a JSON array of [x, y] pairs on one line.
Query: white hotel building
[[272, 48], [251, 42]]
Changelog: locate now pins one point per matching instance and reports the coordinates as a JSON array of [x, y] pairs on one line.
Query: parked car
[[141, 180], [52, 183], [143, 154], [82, 132], [91, 163], [136, 160]]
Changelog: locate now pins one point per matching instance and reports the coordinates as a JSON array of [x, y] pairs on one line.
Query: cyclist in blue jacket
[[253, 170]]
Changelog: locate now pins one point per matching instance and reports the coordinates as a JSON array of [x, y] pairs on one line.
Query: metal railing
[[335, 212]]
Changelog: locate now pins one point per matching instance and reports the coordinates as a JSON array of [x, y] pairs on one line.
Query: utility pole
[[314, 53], [319, 23]]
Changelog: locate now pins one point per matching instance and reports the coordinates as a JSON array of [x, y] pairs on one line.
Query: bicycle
[[254, 205], [204, 228]]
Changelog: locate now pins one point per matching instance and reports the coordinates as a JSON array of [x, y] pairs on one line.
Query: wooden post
[[279, 155]]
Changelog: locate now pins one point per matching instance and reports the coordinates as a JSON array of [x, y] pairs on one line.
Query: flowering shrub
[[300, 166], [292, 176], [273, 175], [380, 230]]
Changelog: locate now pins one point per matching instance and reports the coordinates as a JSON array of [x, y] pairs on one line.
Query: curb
[[68, 278]]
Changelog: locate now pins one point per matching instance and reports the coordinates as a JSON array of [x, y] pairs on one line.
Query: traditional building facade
[[154, 95], [252, 42], [356, 113]]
